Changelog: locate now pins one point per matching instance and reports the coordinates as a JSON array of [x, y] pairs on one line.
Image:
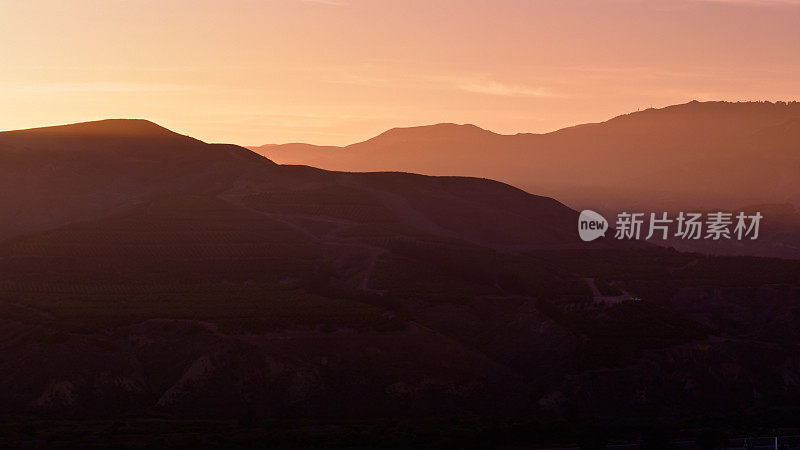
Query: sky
[[335, 72]]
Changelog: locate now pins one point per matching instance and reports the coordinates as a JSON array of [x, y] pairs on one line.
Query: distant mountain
[[682, 157]]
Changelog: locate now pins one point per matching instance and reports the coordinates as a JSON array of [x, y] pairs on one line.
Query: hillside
[[56, 175], [151, 275]]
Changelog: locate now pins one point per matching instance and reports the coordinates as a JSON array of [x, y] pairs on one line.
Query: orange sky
[[338, 71]]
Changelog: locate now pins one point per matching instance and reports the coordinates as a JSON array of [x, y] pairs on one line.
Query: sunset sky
[[253, 72]]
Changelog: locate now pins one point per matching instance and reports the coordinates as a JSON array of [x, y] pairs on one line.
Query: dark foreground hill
[[57, 175], [154, 276]]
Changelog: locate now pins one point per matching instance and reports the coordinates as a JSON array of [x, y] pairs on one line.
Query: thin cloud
[[505, 90], [471, 84], [755, 2], [326, 2], [54, 88]]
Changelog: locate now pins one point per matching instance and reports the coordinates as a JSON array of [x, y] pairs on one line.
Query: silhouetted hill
[[441, 131], [110, 128], [55, 175]]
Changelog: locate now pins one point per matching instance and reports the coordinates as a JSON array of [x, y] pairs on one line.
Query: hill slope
[[56, 175]]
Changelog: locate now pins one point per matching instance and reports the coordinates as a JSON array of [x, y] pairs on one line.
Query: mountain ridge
[[103, 127], [53, 176], [204, 281], [694, 106], [605, 163]]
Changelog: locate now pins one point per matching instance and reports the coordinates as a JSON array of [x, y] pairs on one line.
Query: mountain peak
[[102, 128], [439, 131]]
